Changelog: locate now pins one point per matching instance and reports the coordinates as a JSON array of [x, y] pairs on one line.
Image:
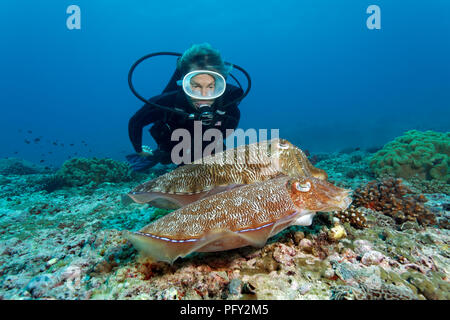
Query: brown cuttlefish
[[226, 170], [243, 216]]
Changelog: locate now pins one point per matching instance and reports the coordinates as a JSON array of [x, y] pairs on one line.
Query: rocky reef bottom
[[69, 244]]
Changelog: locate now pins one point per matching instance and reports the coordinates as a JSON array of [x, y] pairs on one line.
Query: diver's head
[[204, 74], [203, 87]]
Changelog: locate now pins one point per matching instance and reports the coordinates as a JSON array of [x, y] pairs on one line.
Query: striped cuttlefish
[[239, 217]]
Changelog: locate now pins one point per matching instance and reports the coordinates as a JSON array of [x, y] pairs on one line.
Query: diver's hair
[[203, 56]]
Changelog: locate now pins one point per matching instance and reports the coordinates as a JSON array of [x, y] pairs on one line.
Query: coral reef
[[14, 166], [337, 232], [416, 153], [315, 158], [348, 170], [352, 215], [429, 186], [69, 244], [53, 182], [439, 203], [389, 197], [4, 180], [363, 292], [82, 171]]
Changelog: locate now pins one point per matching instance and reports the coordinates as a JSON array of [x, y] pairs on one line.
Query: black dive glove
[[142, 163]]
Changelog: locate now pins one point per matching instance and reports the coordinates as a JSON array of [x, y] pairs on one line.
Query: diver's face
[[204, 85]]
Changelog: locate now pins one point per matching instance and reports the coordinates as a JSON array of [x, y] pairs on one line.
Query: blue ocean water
[[318, 73]]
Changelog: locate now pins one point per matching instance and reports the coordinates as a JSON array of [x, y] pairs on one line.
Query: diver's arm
[[230, 120], [143, 117]]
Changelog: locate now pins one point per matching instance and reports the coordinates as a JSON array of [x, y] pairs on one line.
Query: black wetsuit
[[165, 122]]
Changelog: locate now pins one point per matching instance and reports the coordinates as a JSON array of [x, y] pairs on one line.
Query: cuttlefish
[[226, 170], [239, 217]]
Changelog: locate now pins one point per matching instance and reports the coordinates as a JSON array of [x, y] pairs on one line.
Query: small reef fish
[[243, 216]]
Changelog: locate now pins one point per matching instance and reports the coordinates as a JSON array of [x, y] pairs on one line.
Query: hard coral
[[354, 216], [53, 183], [429, 186], [81, 171], [423, 154], [363, 292], [389, 197]]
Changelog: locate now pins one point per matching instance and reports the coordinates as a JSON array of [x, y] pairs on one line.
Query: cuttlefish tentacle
[[243, 216], [231, 168]]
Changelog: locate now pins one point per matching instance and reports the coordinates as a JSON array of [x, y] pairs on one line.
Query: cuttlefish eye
[[283, 146], [303, 187]]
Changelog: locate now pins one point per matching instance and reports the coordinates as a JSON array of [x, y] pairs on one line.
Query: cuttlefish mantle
[[232, 168], [239, 217]]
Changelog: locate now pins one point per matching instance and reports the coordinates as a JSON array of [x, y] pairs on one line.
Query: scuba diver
[[197, 91]]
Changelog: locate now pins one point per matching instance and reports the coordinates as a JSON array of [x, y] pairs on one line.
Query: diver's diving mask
[[194, 90]]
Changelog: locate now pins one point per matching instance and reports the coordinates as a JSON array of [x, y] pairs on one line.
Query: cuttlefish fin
[[168, 250], [227, 239], [176, 200], [162, 249]]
